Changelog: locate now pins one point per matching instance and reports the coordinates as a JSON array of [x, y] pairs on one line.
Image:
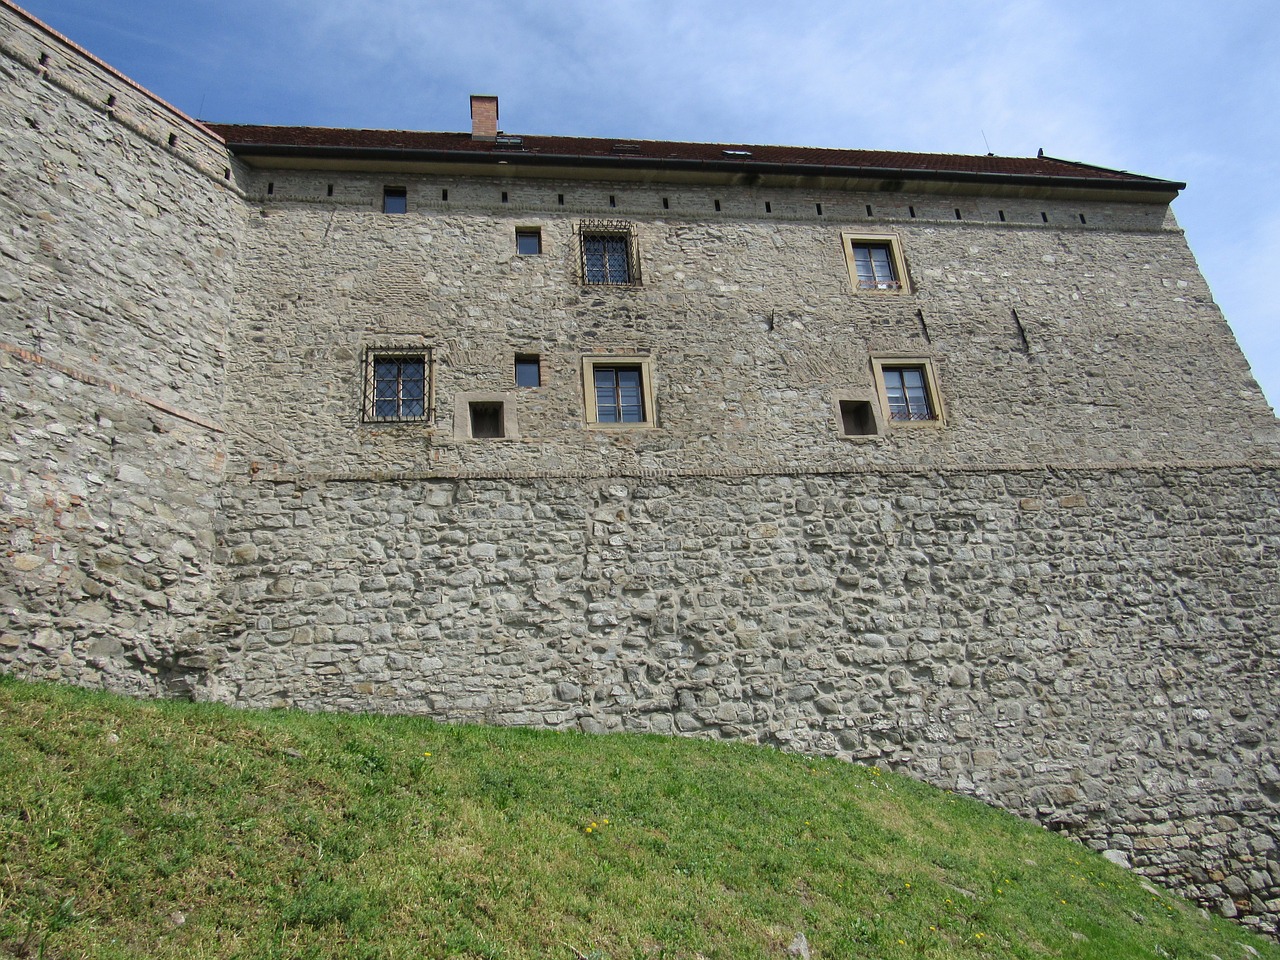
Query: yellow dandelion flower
[[605, 821], [908, 886], [903, 942], [588, 829]]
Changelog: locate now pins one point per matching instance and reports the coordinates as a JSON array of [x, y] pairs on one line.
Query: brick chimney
[[484, 117]]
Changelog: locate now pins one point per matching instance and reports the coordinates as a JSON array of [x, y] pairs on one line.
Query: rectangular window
[[619, 394], [397, 387], [528, 370], [608, 253], [908, 396], [908, 390], [874, 262], [528, 242], [619, 390], [395, 200]]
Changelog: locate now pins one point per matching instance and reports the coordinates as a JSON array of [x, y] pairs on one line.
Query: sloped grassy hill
[[168, 829]]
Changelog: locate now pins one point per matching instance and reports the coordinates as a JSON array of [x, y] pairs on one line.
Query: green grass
[[165, 829]]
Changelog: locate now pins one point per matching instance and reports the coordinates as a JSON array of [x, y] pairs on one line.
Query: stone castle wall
[[1058, 342], [1095, 648], [116, 261], [1060, 598]]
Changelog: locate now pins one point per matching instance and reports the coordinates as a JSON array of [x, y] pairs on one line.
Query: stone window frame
[[590, 230], [415, 350], [462, 414], [645, 365], [850, 239], [928, 366]]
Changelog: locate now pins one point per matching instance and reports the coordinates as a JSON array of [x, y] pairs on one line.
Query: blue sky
[[1181, 89]]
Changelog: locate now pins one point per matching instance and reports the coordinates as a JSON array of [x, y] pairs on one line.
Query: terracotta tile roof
[[302, 141]]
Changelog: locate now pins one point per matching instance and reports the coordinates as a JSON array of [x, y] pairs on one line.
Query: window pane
[[528, 242], [617, 260], [882, 265], [606, 395], [630, 397], [593, 259], [394, 200], [862, 260], [896, 394], [907, 394], [528, 372]]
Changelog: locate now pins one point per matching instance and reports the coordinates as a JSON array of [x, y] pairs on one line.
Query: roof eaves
[[486, 157]]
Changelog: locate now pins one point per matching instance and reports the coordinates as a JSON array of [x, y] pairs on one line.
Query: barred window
[[397, 386], [608, 253]]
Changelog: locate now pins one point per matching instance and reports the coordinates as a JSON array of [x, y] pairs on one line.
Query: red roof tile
[[244, 138]]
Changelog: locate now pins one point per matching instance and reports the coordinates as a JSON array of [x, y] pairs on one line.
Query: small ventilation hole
[[226, 173], [44, 59], [271, 188], [1001, 212], [666, 204], [869, 213], [560, 199], [613, 201], [818, 207], [912, 211], [1082, 219], [958, 217], [1044, 216], [111, 100], [717, 206], [768, 207], [444, 195], [331, 189], [504, 196], [173, 139]]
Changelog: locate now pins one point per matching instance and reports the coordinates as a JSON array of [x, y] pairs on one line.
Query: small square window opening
[[486, 420], [395, 200], [528, 370], [528, 242], [857, 419]]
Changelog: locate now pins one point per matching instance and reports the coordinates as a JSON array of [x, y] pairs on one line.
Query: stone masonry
[[1058, 592]]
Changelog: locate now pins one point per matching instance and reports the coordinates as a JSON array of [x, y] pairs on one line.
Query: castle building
[[945, 463]]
